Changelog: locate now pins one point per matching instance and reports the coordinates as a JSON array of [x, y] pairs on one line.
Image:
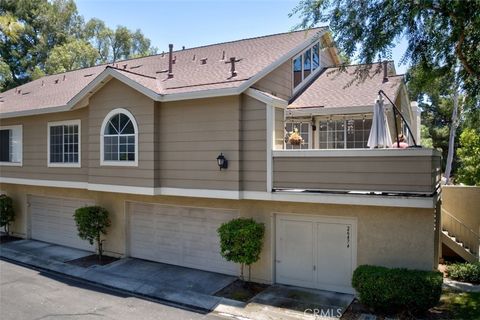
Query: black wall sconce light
[[222, 162]]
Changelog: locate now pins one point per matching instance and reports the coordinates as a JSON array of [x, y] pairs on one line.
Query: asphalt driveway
[[29, 294]]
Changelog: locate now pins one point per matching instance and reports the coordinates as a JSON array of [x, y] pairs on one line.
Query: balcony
[[413, 171]]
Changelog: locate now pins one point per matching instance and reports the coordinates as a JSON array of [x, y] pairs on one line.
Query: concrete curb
[[190, 300]]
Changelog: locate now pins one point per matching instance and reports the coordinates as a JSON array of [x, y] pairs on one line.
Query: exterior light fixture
[[222, 162]]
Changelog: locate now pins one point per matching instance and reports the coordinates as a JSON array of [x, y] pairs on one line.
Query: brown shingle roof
[[190, 75], [339, 88]]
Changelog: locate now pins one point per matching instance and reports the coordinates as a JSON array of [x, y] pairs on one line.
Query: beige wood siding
[[114, 95], [412, 174], [278, 82], [192, 135], [35, 144], [254, 144]]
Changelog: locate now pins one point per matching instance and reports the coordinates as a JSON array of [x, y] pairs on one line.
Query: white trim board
[[388, 152], [325, 198]]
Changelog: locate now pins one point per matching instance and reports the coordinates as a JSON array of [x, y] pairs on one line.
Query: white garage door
[[52, 221], [315, 252], [181, 236]]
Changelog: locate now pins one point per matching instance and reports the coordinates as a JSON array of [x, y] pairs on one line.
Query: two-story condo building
[[141, 138]]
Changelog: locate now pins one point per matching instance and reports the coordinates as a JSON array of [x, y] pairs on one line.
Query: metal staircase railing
[[464, 236]]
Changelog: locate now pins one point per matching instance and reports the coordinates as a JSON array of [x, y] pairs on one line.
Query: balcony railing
[[404, 171]]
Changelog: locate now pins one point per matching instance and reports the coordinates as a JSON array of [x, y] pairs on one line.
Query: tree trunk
[[451, 141], [100, 248]]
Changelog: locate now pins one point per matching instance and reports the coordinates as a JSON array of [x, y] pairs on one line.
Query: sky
[[196, 22]]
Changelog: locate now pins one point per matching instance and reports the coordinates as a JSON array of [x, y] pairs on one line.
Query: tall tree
[[439, 32], [42, 36], [74, 54]]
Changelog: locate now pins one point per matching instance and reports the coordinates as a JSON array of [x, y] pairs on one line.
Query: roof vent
[[203, 61], [64, 77], [163, 54], [223, 55], [56, 81], [88, 75], [25, 93], [135, 67], [170, 61], [385, 71], [125, 66], [232, 67], [43, 83], [183, 47], [193, 58], [174, 59]]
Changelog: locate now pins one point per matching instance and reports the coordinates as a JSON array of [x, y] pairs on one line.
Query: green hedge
[[467, 272], [393, 290]]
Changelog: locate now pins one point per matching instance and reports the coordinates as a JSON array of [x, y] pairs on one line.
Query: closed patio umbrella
[[379, 133]]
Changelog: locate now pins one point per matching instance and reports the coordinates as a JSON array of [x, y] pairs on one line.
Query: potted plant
[[295, 138]]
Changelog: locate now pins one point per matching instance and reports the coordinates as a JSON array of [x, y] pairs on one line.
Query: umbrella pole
[[395, 109]]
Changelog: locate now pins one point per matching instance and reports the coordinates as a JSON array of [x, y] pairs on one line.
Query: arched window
[[119, 139]]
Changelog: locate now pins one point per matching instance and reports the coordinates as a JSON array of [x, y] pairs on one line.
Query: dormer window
[[306, 64]]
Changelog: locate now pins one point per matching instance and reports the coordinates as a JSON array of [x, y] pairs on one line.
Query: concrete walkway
[[454, 285], [186, 287]]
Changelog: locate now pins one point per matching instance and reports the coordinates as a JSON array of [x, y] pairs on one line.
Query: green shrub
[[92, 222], [7, 214], [393, 290], [241, 241], [467, 272]]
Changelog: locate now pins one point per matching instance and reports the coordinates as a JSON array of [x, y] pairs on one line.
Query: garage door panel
[[179, 235], [52, 221]]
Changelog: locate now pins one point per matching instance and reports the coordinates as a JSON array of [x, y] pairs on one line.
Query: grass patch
[[461, 305]]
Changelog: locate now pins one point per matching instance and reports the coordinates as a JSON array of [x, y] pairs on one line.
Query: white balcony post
[[270, 144]]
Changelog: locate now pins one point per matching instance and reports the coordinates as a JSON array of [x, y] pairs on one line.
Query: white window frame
[[119, 163], [65, 164], [313, 72], [19, 129], [367, 116], [310, 133]]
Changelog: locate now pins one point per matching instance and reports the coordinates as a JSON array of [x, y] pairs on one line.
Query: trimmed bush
[[393, 290], [241, 241], [7, 214], [466, 272], [92, 222]]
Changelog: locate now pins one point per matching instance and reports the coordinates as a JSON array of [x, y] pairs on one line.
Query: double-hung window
[[64, 144], [11, 145]]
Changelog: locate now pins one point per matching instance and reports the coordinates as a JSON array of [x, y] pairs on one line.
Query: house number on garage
[[348, 236]]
